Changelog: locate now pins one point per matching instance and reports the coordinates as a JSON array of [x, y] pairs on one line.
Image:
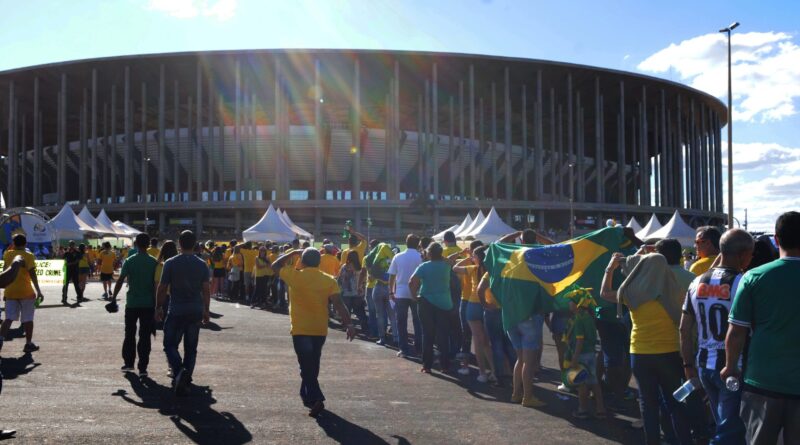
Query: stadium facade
[[410, 140]]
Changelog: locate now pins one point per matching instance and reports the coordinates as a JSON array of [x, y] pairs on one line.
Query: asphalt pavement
[[72, 390]]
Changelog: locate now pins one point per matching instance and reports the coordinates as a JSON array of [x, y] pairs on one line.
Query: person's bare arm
[[413, 285], [118, 286], [482, 287], [11, 269], [392, 285], [283, 259], [360, 236], [161, 298], [460, 267], [687, 346], [606, 292], [452, 258], [344, 315], [510, 238], [35, 281], [734, 344]]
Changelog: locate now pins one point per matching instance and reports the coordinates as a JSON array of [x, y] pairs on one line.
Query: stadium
[[397, 140]]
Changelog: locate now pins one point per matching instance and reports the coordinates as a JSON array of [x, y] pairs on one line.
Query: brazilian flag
[[529, 279]]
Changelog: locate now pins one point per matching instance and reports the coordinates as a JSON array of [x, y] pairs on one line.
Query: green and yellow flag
[[529, 279]]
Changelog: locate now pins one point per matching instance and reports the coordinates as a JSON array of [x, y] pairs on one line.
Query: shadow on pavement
[[13, 367], [344, 431], [193, 415]]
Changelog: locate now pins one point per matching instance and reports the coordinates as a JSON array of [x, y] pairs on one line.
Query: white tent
[[439, 237], [270, 227], [651, 227], [678, 229], [67, 226], [86, 216], [475, 223], [464, 224], [491, 229], [297, 229], [634, 224], [104, 220], [128, 230]]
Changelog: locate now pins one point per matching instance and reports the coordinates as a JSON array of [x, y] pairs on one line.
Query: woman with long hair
[[348, 283], [261, 269], [430, 286], [218, 272], [473, 267]]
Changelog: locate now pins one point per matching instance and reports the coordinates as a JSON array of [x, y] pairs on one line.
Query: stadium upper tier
[[416, 132]]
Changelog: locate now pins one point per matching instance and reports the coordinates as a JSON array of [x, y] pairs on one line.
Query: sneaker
[[143, 373], [169, 374], [401, 354], [516, 398], [532, 402], [30, 347], [381, 342], [316, 408], [482, 378], [463, 370], [105, 295], [126, 369], [637, 424], [177, 382]]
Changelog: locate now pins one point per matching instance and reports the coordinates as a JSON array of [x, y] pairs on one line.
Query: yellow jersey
[[107, 260], [309, 292], [22, 286]]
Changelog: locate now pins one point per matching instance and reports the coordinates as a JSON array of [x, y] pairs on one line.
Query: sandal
[[581, 415]]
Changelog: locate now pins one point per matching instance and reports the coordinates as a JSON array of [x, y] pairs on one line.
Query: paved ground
[[71, 391]]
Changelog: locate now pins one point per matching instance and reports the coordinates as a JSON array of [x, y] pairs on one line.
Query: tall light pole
[[144, 197], [571, 200], [728, 30]]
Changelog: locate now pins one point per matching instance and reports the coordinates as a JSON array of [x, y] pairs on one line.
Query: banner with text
[[49, 271]]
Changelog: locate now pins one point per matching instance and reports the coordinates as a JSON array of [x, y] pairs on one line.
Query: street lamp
[[571, 199], [728, 30], [144, 196]]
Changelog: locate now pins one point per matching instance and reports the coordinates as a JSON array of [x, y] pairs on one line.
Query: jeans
[[309, 351], [177, 328], [502, 348], [73, 278], [767, 415], [660, 374], [455, 335], [725, 407], [144, 316], [402, 306], [466, 334], [261, 291], [372, 319], [434, 329], [384, 311], [355, 305]]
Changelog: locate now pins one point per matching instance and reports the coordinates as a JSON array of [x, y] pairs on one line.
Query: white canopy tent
[[440, 236], [491, 229], [297, 229], [270, 227], [103, 219], [651, 227], [86, 216], [464, 224], [678, 229], [634, 224], [67, 226], [130, 231], [475, 223]]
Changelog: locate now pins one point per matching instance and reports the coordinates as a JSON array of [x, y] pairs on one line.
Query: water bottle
[[687, 388], [732, 383]]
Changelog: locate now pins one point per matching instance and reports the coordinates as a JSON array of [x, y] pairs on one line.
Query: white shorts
[[17, 308]]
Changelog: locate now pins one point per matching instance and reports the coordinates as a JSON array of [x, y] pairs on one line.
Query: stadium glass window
[[329, 195], [347, 194], [298, 195], [403, 196]]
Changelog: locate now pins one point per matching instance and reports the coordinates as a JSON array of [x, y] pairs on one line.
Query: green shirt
[[434, 277], [767, 302], [582, 328], [140, 270]]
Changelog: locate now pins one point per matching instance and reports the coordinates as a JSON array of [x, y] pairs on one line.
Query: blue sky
[[675, 40]]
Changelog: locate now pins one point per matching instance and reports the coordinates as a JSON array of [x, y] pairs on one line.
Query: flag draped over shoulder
[[529, 279]]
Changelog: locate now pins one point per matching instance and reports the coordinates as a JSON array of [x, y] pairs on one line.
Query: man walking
[[107, 260], [765, 307], [72, 259], [310, 292], [400, 270], [20, 295], [139, 269], [185, 277], [707, 305]]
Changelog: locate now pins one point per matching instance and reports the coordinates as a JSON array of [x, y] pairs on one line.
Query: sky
[[676, 40]]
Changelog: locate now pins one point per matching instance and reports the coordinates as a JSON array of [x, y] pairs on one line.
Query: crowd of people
[[722, 327]]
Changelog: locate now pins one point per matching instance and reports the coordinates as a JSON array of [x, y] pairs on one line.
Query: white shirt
[[403, 266]]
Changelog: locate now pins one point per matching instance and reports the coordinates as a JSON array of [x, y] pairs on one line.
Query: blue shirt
[[185, 275], [434, 277]]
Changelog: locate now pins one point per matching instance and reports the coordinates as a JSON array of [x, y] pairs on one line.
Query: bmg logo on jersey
[[720, 291]]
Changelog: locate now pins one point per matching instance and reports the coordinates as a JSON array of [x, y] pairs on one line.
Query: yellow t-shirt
[[226, 255], [83, 263], [249, 259], [360, 249], [22, 286], [107, 259], [309, 289], [154, 252], [264, 271], [235, 260], [219, 264], [329, 264], [473, 280], [90, 255], [653, 330], [702, 265], [449, 250], [490, 300]]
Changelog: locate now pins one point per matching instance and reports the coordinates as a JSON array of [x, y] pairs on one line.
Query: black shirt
[[72, 257]]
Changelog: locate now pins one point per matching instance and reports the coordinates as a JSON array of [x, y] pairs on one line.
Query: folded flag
[[530, 279]]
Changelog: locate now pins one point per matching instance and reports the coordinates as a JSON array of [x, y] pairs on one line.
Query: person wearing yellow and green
[[107, 259], [310, 293], [376, 266], [21, 294], [249, 254], [706, 242], [467, 289], [262, 274], [153, 250], [581, 338]]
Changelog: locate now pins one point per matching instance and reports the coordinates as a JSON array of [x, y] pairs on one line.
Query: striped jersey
[[708, 300]]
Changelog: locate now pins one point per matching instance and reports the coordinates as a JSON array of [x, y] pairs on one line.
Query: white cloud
[[187, 9], [766, 182], [766, 71], [626, 57]]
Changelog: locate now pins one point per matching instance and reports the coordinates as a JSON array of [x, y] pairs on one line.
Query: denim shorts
[[474, 311], [527, 334]]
